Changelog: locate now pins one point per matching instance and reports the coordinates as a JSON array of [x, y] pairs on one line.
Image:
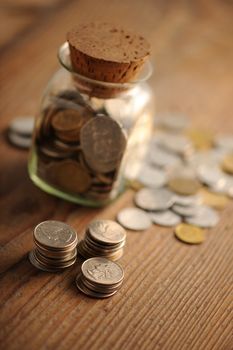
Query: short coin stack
[[100, 277], [103, 238], [55, 246]]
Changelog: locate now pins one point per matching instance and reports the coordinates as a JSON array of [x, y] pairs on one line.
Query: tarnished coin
[[102, 271], [184, 185], [22, 125], [107, 230], [55, 234], [154, 199], [172, 121], [103, 142], [204, 217], [134, 219], [227, 163], [189, 234], [19, 140], [201, 139], [68, 123], [70, 175], [165, 218], [215, 200], [152, 177], [184, 210]]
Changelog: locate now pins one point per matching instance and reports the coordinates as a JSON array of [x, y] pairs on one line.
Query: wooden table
[[174, 296]]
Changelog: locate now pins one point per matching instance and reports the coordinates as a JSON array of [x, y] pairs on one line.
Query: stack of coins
[[55, 246], [100, 277], [20, 131], [104, 238]]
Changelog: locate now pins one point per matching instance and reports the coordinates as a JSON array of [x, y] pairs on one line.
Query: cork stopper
[[104, 52]]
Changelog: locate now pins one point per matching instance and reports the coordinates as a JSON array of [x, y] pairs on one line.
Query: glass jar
[[86, 132]]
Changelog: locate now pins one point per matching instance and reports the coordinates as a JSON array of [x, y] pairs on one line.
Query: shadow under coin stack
[[55, 246], [100, 278], [103, 238]]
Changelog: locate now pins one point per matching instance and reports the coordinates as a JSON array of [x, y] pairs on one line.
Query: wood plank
[[174, 296]]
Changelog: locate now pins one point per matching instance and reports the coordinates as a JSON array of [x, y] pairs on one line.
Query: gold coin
[[189, 234], [201, 139], [70, 176], [134, 184], [215, 200], [184, 185], [227, 164]]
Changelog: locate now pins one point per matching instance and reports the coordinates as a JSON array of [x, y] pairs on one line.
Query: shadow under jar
[[85, 133]]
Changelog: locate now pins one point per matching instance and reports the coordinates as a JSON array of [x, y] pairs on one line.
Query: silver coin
[[39, 266], [184, 210], [225, 142], [19, 140], [102, 271], [187, 200], [204, 217], [22, 125], [176, 143], [134, 219], [107, 231], [154, 199], [165, 218], [225, 186], [90, 292], [152, 177], [211, 175], [162, 158], [172, 121], [210, 157], [55, 234]]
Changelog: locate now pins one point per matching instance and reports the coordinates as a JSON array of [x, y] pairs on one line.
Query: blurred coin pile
[[100, 277], [186, 176], [55, 246], [103, 238], [20, 131], [79, 150]]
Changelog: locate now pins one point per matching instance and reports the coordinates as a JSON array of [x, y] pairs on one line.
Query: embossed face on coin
[[103, 143], [107, 231], [55, 234], [103, 271]]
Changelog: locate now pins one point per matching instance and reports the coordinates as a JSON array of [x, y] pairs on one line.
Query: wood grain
[[174, 296]]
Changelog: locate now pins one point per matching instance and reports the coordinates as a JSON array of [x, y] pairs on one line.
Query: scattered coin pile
[[103, 238], [55, 246], [186, 176], [100, 277], [78, 150], [20, 131]]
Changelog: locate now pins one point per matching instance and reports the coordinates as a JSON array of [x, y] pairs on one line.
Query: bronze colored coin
[[184, 185], [68, 123], [70, 176], [189, 234], [215, 200], [103, 142], [51, 150], [201, 139], [227, 164]]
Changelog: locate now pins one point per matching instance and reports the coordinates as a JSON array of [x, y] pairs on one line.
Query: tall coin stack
[[55, 246], [103, 238], [100, 278]]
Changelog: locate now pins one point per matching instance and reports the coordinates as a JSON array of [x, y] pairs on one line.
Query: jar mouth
[[64, 59]]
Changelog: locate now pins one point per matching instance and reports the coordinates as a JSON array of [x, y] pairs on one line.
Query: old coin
[[227, 163], [55, 234], [165, 218], [107, 230], [70, 176], [22, 125], [103, 142], [204, 217], [189, 234], [154, 199], [134, 219], [152, 177], [184, 185], [215, 200]]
